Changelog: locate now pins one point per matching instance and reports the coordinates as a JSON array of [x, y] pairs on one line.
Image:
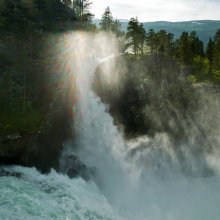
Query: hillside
[[204, 28]]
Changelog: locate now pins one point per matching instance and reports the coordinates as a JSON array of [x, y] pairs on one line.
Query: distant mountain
[[204, 28]]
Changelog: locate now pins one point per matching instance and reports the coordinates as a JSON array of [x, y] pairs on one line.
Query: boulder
[[74, 167], [6, 172]]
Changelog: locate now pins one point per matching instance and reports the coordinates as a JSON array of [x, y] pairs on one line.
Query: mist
[[147, 176]]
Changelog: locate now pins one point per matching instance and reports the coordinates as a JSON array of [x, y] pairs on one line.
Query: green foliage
[[109, 24], [192, 79], [196, 45], [141, 38], [25, 83], [210, 51], [16, 121], [187, 50], [23, 16], [216, 76], [216, 60], [184, 52], [204, 28], [160, 42], [82, 10], [136, 36], [151, 40], [16, 16], [201, 68]]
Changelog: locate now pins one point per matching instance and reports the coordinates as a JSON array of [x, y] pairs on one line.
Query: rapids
[[31, 195]]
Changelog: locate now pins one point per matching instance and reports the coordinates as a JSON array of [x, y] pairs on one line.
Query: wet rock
[[41, 149], [15, 149], [4, 172], [74, 167]]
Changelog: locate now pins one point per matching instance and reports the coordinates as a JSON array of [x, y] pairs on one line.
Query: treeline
[[158, 95], [199, 63], [22, 16]]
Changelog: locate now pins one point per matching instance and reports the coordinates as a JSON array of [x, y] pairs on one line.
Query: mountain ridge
[[205, 28]]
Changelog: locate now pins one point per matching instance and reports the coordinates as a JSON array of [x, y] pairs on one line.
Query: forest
[[29, 86]]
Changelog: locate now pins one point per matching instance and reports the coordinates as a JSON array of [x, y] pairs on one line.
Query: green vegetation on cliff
[[26, 85]]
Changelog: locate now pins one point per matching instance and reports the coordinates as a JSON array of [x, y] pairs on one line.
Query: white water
[[52, 196], [139, 180]]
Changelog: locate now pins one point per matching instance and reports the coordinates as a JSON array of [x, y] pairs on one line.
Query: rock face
[[74, 167], [16, 150], [42, 149]]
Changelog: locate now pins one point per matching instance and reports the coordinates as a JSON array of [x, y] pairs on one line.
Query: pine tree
[[184, 49], [197, 48], [170, 44], [136, 36], [107, 22], [132, 34], [162, 41], [82, 10], [216, 60], [142, 38], [116, 28], [150, 40], [210, 51], [16, 16]]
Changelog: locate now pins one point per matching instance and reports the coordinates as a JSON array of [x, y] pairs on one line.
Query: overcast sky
[[157, 10]]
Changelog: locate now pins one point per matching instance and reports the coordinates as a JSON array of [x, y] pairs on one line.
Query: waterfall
[[97, 142], [139, 179]]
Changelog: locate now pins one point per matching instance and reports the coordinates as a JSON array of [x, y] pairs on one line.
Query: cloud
[[151, 10]]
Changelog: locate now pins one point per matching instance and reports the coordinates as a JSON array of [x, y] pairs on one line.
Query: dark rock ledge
[[43, 148]]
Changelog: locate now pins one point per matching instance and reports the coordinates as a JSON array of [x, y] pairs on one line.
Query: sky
[[159, 10]]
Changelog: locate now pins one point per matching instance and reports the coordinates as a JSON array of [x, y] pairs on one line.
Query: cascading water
[[27, 194], [140, 179], [98, 142]]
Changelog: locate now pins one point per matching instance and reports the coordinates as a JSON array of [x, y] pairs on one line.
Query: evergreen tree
[[132, 34], [82, 10], [150, 40], [107, 22], [116, 28], [136, 36], [210, 51], [162, 41], [184, 53], [16, 16], [142, 38], [216, 60], [170, 44], [196, 45]]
